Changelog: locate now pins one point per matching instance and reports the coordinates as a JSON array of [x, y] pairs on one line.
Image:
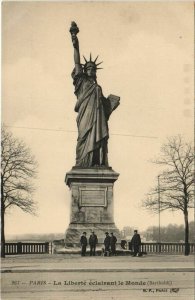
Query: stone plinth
[[91, 203]]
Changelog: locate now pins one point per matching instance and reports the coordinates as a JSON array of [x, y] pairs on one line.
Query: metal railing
[[26, 248], [171, 248], [46, 247]]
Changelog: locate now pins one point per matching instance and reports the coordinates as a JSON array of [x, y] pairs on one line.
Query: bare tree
[[176, 181], [18, 167]]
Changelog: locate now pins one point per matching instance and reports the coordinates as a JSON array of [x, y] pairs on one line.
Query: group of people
[[93, 240], [109, 243]]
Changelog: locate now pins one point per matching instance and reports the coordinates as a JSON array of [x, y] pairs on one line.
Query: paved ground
[[117, 278], [60, 262]]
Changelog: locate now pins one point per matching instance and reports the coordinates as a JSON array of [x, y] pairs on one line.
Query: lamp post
[[159, 237]]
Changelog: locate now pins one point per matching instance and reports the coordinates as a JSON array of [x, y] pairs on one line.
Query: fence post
[[158, 247], [47, 247], [19, 248]]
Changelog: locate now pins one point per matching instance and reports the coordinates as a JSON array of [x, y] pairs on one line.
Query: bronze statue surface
[[93, 110]]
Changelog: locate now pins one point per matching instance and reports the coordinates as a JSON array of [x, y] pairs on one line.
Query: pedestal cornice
[[101, 174]]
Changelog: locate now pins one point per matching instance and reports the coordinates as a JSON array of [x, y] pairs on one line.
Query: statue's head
[[90, 67]]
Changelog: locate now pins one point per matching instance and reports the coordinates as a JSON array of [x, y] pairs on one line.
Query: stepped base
[[74, 232]]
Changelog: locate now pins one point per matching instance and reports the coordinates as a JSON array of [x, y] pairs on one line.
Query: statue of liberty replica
[[91, 180]]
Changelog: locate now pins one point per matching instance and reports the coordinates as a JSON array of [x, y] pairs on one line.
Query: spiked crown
[[91, 63]]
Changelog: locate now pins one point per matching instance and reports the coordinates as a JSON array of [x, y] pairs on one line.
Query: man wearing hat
[[107, 244], [136, 243], [83, 242], [113, 241], [93, 240]]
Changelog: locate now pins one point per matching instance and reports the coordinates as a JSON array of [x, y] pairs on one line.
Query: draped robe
[[92, 122]]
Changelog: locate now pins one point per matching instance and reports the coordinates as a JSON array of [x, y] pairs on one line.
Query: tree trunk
[[2, 229], [2, 222], [187, 246]]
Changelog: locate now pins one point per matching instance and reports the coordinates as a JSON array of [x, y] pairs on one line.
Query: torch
[[74, 29]]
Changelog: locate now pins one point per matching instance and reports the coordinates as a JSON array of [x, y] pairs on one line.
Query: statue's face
[[91, 71]]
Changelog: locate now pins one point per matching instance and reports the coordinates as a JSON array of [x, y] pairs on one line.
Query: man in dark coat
[[93, 240], [113, 241], [136, 243], [107, 244], [83, 242]]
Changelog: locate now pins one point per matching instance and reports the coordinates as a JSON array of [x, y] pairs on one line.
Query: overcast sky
[[147, 53]]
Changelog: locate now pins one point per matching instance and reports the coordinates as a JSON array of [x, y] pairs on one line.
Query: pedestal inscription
[[92, 196]]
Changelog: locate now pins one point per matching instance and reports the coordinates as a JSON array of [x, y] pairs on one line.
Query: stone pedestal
[[91, 203]]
